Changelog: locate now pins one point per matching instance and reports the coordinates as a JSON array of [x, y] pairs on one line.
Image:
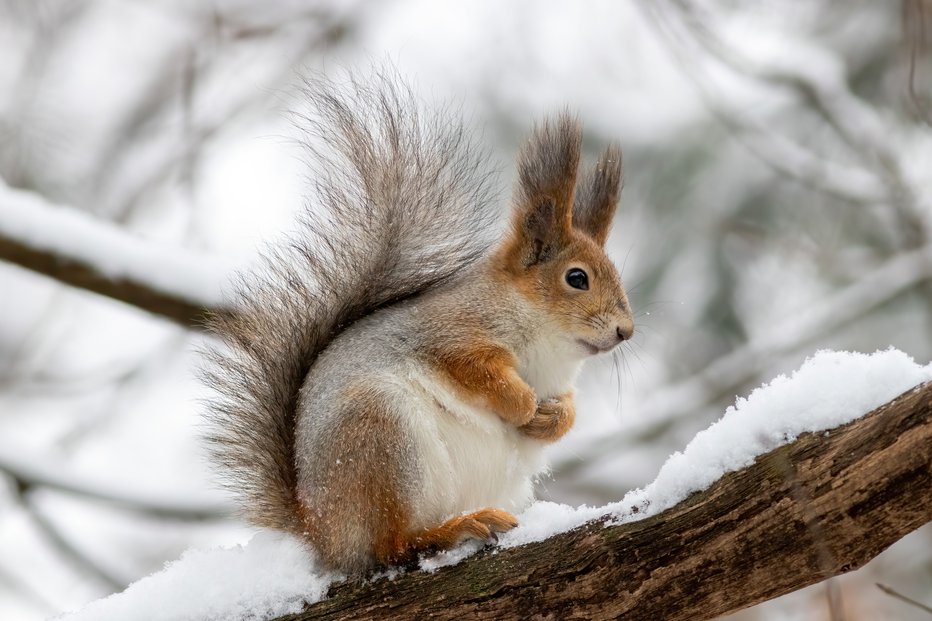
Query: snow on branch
[[78, 250], [793, 485]]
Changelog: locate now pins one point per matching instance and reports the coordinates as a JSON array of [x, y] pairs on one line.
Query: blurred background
[[778, 200]]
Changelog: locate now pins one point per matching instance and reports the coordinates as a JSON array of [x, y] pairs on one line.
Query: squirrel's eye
[[577, 279]]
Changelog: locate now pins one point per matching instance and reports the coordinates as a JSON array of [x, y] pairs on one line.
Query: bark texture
[[820, 506]]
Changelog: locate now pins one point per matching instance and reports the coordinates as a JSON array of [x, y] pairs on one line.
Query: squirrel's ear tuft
[[548, 164], [597, 196], [546, 182]]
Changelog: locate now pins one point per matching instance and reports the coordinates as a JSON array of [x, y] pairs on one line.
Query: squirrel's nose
[[625, 331]]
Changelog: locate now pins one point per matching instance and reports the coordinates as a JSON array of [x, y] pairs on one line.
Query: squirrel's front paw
[[552, 420], [517, 405]]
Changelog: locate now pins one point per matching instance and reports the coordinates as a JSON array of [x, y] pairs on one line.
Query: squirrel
[[388, 380]]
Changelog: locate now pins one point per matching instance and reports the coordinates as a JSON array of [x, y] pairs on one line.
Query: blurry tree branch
[[818, 75], [896, 594], [29, 474], [83, 252], [296, 36], [818, 507], [916, 25], [24, 588], [65, 548]]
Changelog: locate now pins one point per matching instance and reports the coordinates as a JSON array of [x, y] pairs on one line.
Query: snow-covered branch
[[78, 250], [821, 506]]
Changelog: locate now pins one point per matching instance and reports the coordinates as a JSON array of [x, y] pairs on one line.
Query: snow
[[830, 389], [274, 574], [67, 232]]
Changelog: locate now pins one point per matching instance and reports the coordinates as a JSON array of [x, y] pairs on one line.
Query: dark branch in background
[[752, 536], [145, 123], [76, 273], [324, 31], [903, 598], [60, 542], [28, 477], [85, 252], [917, 24]]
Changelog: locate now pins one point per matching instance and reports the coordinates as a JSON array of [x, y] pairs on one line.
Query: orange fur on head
[[558, 226]]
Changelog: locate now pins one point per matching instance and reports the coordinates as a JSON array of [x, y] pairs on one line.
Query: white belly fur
[[550, 366], [470, 458]]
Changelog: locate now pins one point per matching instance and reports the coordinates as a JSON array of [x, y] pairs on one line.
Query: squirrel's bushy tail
[[403, 202]]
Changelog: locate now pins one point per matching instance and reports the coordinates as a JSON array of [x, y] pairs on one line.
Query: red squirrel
[[389, 379]]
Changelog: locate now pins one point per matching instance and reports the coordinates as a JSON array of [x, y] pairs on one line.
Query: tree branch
[[820, 79], [80, 251], [849, 183], [818, 507], [34, 474]]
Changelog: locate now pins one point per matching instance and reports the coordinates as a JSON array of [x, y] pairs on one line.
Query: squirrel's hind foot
[[482, 525]]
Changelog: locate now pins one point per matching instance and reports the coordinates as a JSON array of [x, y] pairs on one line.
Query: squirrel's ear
[[597, 196], [546, 182]]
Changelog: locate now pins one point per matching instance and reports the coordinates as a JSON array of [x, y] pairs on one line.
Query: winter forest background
[[778, 200]]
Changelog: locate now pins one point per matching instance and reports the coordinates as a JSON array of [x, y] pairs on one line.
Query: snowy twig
[[78, 250], [744, 540]]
